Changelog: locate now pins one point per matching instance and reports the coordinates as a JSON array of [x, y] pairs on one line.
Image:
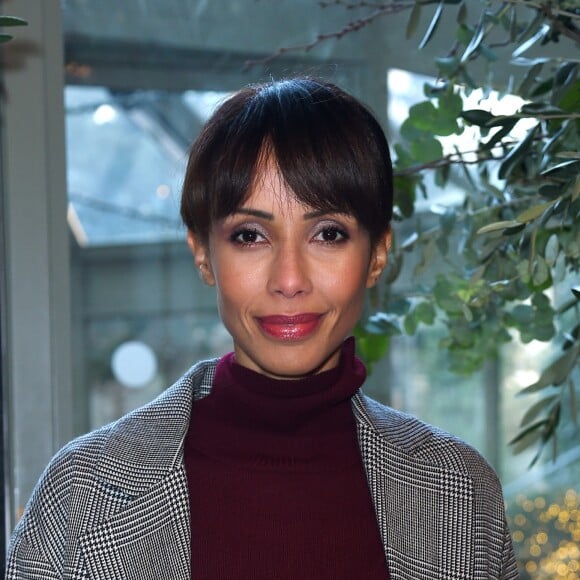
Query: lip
[[290, 328]]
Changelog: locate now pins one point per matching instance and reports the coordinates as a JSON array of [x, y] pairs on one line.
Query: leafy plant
[[6, 21], [505, 261]]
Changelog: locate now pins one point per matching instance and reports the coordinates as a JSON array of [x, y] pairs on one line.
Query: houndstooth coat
[[113, 504]]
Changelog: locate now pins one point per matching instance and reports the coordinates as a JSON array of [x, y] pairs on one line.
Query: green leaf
[[426, 149], [409, 131], [477, 117], [576, 192], [448, 65], [447, 221], [424, 117], [534, 427], [514, 230], [497, 137], [537, 408], [451, 105], [552, 249], [12, 21], [432, 26], [445, 296], [540, 275], [404, 195], [567, 169], [464, 34], [534, 212], [568, 154], [513, 24], [383, 323], [540, 34], [488, 54], [517, 154], [426, 259], [425, 313], [565, 73], [462, 13], [442, 175], [496, 226], [474, 43], [413, 21], [5, 38], [556, 373], [573, 407], [571, 98], [372, 347], [523, 314], [529, 79], [467, 312], [410, 324], [543, 88], [534, 109]]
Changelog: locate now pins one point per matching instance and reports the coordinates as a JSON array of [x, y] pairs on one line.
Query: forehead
[[270, 192]]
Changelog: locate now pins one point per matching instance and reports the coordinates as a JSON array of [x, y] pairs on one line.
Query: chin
[[297, 367]]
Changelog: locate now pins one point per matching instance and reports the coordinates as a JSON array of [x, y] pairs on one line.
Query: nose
[[289, 272]]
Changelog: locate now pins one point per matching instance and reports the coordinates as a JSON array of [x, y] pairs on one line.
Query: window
[[101, 306]]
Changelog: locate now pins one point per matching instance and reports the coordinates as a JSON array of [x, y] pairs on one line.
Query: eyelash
[[334, 229], [236, 237]]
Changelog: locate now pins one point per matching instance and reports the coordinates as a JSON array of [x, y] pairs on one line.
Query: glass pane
[[126, 158], [142, 78]]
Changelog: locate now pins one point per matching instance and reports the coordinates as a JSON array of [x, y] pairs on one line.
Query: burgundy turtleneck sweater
[[277, 489]]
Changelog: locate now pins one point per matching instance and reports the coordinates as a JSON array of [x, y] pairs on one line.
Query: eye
[[246, 236], [331, 234]]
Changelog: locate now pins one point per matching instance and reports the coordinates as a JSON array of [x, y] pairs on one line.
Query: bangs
[[330, 151]]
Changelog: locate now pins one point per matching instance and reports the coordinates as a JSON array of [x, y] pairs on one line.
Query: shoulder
[[125, 456], [418, 442], [164, 416], [148, 430]]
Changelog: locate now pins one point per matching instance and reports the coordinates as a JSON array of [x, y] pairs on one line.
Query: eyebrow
[[270, 217]]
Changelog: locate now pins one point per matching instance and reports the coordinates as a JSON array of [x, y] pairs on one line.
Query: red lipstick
[[290, 328]]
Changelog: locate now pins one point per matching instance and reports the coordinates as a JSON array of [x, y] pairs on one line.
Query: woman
[[270, 463]]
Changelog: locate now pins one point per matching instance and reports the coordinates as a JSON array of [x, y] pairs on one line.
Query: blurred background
[[101, 306]]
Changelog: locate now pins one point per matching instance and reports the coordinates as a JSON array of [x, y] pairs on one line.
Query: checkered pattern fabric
[[113, 504]]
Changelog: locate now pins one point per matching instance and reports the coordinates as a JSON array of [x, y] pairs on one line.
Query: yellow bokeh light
[[531, 567], [541, 537], [562, 570], [547, 535]]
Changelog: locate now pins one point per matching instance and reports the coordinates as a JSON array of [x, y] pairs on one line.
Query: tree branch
[[352, 26], [544, 7]]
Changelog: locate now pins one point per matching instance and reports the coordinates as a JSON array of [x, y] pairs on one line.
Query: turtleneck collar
[[248, 414], [286, 404]]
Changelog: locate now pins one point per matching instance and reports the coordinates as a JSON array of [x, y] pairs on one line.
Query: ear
[[200, 251], [379, 258]]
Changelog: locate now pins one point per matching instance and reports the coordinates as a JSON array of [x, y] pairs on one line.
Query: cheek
[[348, 288], [235, 286]]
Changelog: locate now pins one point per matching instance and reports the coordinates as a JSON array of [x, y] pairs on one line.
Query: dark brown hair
[[330, 150]]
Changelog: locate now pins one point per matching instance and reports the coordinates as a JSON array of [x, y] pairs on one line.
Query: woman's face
[[290, 280]]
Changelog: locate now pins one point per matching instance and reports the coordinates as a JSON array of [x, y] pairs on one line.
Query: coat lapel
[[424, 510], [148, 540], [141, 469]]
